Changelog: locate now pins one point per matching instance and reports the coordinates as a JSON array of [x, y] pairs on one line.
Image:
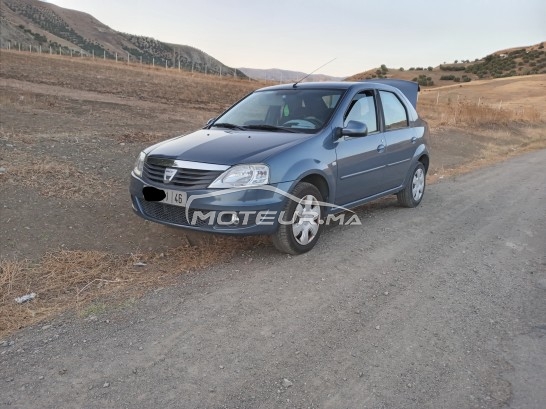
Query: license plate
[[175, 198]]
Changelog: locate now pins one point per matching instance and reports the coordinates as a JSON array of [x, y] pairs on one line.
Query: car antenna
[[312, 72]]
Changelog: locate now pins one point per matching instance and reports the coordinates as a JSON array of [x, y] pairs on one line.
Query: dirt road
[[442, 306]]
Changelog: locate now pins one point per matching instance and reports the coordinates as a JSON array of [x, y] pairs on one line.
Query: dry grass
[[464, 112], [139, 136], [126, 80], [53, 177], [73, 279]]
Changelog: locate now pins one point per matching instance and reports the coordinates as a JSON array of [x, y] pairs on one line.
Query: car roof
[[338, 85], [314, 85], [409, 89]]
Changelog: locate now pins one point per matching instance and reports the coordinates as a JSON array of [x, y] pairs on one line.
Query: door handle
[[381, 148], [413, 140]]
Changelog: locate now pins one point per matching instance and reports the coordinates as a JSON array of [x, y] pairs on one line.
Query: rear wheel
[[302, 221], [412, 194]]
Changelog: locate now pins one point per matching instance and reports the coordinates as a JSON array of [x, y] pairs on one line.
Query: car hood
[[226, 147]]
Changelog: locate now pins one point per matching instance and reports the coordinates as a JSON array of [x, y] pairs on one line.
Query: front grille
[[172, 214], [177, 215], [187, 178]]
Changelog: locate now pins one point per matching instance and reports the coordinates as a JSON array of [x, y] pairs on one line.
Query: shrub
[[452, 68], [447, 77], [429, 68], [423, 80]]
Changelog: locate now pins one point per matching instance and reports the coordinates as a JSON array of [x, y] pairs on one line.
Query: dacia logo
[[169, 175]]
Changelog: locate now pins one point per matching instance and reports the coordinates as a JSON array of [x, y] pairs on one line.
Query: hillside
[[500, 64], [26, 23], [280, 75]]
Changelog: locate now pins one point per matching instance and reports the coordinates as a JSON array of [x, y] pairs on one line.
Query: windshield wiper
[[269, 128], [227, 125]]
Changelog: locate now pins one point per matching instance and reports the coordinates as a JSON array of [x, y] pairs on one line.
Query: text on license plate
[[174, 197]]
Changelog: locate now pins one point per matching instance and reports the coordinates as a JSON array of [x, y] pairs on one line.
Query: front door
[[361, 160]]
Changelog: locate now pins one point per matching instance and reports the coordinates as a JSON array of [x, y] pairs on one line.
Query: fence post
[[127, 57], [116, 56], [438, 98], [165, 63], [50, 51], [192, 67], [104, 55], [153, 61], [93, 52], [19, 46], [30, 48]]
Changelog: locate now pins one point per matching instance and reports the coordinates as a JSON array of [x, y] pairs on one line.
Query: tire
[[413, 193], [302, 233]]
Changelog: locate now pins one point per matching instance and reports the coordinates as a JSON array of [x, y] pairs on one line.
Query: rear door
[[400, 139]]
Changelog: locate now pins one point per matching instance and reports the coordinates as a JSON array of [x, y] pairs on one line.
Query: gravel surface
[[442, 306]]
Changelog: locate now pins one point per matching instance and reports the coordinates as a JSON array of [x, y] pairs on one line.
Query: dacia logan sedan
[[285, 160]]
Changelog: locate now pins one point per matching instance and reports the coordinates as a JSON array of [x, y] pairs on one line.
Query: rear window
[[394, 111]]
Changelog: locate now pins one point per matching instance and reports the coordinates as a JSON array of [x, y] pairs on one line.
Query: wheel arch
[[425, 160], [319, 182]]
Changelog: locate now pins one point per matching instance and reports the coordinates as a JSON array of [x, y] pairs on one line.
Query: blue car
[[287, 160]]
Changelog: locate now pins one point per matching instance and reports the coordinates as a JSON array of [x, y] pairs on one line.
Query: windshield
[[297, 110]]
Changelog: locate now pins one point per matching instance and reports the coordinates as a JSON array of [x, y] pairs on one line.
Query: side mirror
[[355, 129]]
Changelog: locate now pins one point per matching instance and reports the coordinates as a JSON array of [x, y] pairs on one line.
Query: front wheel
[[412, 194], [301, 224]]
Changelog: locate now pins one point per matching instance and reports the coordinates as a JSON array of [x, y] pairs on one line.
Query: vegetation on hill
[[520, 61], [517, 62]]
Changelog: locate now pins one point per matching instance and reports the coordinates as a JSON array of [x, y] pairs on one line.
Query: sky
[[302, 35]]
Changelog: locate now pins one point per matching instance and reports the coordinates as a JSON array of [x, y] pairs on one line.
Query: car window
[[305, 110], [394, 111], [362, 109]]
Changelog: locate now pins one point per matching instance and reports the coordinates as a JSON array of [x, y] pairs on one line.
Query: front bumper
[[243, 212]]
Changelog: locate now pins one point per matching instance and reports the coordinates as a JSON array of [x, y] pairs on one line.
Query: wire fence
[[173, 62]]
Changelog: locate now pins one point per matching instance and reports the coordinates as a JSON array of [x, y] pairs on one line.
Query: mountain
[[279, 75], [26, 23], [527, 60]]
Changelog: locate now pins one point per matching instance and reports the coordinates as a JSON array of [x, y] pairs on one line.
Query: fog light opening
[[228, 219]]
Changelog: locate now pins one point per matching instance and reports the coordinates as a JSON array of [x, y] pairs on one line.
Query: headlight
[[139, 164], [242, 176]]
